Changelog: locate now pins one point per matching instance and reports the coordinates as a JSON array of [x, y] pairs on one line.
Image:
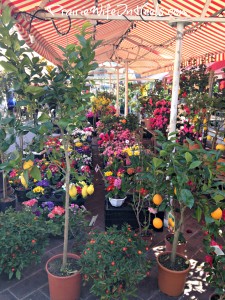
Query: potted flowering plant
[[115, 262], [116, 182]]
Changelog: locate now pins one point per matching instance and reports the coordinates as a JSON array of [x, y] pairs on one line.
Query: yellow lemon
[[209, 137], [205, 128], [217, 214], [220, 147], [175, 191], [23, 181], [84, 191], [28, 164], [157, 199], [90, 189], [157, 223], [72, 190], [205, 121]]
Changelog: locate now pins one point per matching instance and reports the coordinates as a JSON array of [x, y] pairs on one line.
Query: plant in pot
[[23, 239], [67, 83], [214, 245], [149, 187], [114, 262], [192, 179], [116, 182]]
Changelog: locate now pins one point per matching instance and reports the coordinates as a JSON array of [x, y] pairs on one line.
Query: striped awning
[[126, 31]]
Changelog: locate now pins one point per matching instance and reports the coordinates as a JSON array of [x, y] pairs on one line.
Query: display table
[[125, 214]]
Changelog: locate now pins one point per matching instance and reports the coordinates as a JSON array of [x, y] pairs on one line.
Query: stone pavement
[[34, 283]]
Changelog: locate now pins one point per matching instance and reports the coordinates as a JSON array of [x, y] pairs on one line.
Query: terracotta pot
[[180, 247], [171, 282], [62, 288]]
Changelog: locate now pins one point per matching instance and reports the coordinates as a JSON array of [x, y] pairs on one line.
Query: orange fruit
[[171, 222], [157, 199], [217, 214], [157, 223], [220, 147]]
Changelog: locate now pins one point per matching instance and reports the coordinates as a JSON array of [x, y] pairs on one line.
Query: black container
[[5, 205], [21, 195], [125, 214]]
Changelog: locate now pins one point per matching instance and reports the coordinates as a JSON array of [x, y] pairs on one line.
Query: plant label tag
[[93, 220], [218, 251], [97, 168]]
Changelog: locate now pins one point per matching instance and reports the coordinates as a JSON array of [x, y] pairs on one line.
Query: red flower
[[223, 215], [209, 260]]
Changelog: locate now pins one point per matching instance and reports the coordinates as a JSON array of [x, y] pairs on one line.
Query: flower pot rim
[[179, 243], [173, 271], [70, 255]]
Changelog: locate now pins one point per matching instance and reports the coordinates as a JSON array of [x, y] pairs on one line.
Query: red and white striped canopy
[[126, 33]]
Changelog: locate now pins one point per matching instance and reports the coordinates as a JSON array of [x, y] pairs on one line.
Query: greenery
[[114, 262], [194, 184], [23, 239]]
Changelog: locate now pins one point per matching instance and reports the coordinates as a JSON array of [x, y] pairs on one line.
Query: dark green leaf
[[8, 67], [187, 198], [35, 173]]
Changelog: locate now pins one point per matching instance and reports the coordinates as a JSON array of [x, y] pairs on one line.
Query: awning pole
[[176, 79], [126, 89], [117, 91]]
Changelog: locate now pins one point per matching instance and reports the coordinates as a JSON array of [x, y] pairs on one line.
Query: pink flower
[[51, 215], [214, 243], [30, 202], [117, 183]]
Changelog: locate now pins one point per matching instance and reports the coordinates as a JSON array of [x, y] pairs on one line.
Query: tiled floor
[[34, 283]]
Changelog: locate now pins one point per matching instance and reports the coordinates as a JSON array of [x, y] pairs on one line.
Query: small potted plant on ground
[[115, 262], [191, 181]]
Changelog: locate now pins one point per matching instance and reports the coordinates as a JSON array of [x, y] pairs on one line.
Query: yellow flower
[[220, 147], [72, 190], [78, 144], [28, 164], [23, 181], [108, 173], [39, 189], [90, 189], [136, 152], [84, 192]]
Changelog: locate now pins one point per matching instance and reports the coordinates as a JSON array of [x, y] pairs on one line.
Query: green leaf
[[163, 153], [188, 157], [198, 212], [8, 67], [6, 15], [33, 89], [195, 164], [35, 173], [187, 198], [157, 162], [44, 117], [218, 197]]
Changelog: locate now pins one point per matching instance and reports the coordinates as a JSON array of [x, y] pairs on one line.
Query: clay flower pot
[[63, 286], [171, 282]]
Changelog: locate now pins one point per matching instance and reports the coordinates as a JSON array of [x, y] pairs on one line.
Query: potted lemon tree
[[194, 185]]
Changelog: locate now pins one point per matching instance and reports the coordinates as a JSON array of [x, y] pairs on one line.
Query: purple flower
[[48, 204], [43, 183]]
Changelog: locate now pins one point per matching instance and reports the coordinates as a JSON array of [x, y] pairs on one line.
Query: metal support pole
[[126, 89], [117, 91], [176, 79]]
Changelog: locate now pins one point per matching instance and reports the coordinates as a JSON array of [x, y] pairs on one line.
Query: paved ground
[[34, 284]]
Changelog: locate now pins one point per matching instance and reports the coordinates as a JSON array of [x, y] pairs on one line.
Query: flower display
[[161, 116]]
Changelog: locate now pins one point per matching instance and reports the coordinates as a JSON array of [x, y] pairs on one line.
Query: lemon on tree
[[72, 190], [217, 214], [157, 223], [157, 199]]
